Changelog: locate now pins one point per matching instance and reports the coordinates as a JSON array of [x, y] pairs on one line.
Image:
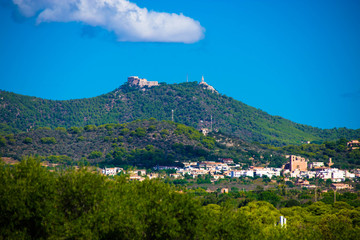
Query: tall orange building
[[297, 162]]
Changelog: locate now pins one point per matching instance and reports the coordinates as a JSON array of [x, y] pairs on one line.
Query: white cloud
[[128, 21]]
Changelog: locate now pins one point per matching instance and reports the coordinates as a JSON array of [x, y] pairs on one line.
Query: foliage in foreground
[[78, 204]]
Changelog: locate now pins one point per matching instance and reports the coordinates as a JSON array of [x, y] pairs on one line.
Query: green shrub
[[95, 154], [90, 128], [2, 142], [75, 130], [48, 140], [28, 140]]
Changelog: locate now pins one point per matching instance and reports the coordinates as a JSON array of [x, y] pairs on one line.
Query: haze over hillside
[[193, 104]]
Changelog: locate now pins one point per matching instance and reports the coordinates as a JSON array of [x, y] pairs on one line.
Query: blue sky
[[295, 59]]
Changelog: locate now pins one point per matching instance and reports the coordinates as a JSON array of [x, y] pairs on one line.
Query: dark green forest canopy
[[144, 143], [78, 204], [192, 105], [147, 143]]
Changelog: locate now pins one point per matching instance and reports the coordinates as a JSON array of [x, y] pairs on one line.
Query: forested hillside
[[192, 106], [151, 142], [142, 143]]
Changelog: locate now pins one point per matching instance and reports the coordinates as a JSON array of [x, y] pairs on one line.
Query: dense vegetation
[[78, 204], [143, 143], [148, 143], [193, 106]]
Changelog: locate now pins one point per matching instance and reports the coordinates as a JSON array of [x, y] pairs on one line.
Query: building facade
[[141, 82], [297, 162]]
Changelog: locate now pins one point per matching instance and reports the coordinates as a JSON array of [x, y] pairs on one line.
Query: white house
[[111, 171]]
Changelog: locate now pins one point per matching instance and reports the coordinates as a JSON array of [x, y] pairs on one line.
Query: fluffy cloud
[[128, 21]]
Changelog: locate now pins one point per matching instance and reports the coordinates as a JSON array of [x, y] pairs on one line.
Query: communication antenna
[[172, 114], [187, 77]]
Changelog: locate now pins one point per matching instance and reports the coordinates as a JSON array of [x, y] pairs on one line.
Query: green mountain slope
[[141, 142], [192, 106]]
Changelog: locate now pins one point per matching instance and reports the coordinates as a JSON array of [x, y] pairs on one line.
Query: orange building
[[297, 162]]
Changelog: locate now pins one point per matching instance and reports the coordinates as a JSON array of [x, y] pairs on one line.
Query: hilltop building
[[141, 82], [353, 144], [206, 86]]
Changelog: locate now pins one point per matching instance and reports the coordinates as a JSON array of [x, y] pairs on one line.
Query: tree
[[95, 154], [328, 182], [27, 140], [90, 128], [75, 130], [26, 194], [270, 197], [2, 141], [266, 179], [48, 140]]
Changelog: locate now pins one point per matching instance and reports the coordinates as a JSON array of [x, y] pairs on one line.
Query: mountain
[[193, 105]]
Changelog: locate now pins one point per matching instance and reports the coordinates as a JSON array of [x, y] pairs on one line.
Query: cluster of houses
[[138, 174], [297, 167]]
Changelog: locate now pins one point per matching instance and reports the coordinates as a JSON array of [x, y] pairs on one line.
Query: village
[[298, 170]]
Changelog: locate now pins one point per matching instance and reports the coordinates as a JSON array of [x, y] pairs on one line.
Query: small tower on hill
[[206, 86]]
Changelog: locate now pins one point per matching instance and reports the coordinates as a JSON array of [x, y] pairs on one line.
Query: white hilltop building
[[207, 86], [141, 82]]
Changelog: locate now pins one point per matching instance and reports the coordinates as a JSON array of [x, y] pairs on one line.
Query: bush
[[61, 129], [59, 159], [139, 132], [95, 154], [28, 140], [90, 128], [48, 140], [75, 130], [43, 128], [2, 142], [81, 138], [164, 133]]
